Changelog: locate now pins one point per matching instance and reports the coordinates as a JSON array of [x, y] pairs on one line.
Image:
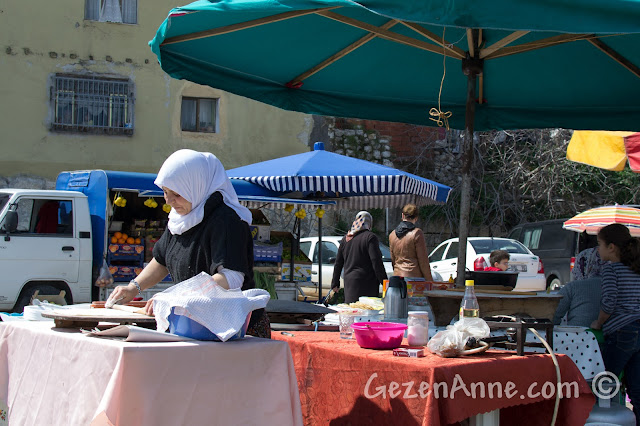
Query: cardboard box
[[124, 273], [118, 250], [409, 352], [417, 288], [261, 233], [260, 228]]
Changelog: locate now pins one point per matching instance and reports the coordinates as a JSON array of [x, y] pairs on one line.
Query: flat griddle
[[291, 312]]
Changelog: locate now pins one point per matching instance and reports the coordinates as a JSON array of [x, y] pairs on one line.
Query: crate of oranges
[[123, 245]]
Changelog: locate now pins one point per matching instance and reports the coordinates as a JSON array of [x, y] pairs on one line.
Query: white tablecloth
[[582, 347], [61, 377]]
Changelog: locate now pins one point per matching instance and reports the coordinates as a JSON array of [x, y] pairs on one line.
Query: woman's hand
[[123, 294], [595, 325], [148, 308]]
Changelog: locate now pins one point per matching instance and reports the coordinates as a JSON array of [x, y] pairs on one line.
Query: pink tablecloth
[[61, 377]]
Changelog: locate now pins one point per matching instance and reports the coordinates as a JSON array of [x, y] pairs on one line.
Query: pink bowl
[[379, 335]]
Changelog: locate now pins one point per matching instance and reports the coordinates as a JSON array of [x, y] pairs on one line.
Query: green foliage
[[337, 298], [267, 282]]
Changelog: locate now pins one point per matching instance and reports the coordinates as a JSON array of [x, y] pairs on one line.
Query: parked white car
[[330, 244], [444, 260]]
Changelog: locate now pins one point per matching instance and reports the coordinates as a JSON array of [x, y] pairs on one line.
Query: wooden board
[[478, 290], [75, 318]]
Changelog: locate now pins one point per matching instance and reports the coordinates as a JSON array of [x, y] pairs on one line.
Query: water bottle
[[469, 307]]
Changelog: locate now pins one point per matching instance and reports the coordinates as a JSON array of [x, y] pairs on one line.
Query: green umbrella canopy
[[567, 63]]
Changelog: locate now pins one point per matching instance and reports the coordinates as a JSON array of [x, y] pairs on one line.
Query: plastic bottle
[[469, 307]]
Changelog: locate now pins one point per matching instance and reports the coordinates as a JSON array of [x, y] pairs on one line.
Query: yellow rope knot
[[442, 117]]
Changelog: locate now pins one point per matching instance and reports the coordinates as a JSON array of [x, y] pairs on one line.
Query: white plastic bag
[[104, 278], [450, 342]]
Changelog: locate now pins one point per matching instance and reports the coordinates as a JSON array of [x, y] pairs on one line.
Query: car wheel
[[25, 296], [555, 284]]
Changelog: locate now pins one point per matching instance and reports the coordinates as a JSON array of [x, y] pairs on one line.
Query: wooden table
[[343, 384], [445, 304]]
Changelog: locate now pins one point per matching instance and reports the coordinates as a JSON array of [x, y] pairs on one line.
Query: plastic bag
[[104, 278], [450, 342]]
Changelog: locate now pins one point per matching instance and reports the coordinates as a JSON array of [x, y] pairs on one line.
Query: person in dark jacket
[[408, 248], [360, 257], [208, 231]]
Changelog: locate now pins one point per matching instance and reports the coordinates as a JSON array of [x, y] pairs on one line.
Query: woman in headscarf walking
[[360, 257], [208, 231]]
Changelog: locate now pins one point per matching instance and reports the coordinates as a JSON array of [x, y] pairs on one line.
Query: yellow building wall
[[41, 38]]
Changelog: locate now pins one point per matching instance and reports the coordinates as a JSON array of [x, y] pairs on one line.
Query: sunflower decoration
[[301, 214]]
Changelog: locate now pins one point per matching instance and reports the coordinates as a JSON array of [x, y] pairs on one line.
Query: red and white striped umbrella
[[593, 220]]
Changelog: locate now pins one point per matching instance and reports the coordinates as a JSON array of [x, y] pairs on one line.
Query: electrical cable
[[558, 377]]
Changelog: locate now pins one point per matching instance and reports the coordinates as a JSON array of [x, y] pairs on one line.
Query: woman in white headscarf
[[208, 231], [360, 257]]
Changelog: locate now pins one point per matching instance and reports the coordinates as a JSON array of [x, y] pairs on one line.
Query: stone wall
[[24, 181]]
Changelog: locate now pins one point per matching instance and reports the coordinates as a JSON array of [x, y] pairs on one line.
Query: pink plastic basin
[[379, 335]]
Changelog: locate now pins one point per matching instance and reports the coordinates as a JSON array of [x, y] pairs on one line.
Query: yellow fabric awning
[[598, 148]]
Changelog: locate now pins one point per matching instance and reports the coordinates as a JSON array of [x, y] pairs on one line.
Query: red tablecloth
[[340, 383]]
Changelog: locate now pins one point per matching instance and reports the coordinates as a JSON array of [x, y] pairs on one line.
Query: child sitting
[[499, 260]]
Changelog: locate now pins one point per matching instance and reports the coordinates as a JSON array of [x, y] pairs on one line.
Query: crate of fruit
[[117, 250], [267, 252], [124, 273]]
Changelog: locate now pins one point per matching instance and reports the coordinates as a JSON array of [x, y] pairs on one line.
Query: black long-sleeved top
[[361, 260], [222, 238]]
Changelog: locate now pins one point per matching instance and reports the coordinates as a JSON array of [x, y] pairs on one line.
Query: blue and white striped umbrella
[[353, 183]]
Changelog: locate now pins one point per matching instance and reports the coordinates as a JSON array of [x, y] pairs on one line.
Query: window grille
[[121, 11], [92, 105], [199, 115]]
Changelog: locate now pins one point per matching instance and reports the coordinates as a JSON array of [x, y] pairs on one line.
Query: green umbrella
[[470, 64]]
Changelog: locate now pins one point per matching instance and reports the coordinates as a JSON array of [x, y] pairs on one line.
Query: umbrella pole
[[471, 68], [319, 259]]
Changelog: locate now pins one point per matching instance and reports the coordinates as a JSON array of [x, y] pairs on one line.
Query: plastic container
[[379, 335], [418, 332], [185, 326]]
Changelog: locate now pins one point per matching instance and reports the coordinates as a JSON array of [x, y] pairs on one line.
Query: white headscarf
[[195, 176]]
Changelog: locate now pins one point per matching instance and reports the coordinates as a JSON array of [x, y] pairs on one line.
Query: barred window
[[121, 11], [199, 115], [92, 105]]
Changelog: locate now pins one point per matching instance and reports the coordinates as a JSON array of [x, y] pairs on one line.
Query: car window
[[515, 234], [45, 216], [386, 254], [329, 250], [436, 255], [452, 253], [490, 244], [555, 238], [3, 200], [305, 247], [531, 237]]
